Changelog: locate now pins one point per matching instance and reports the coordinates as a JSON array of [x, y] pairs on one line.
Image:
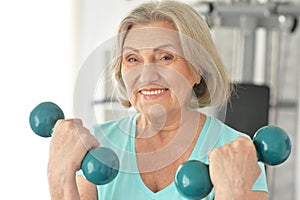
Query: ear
[[198, 78], [200, 88], [197, 75]]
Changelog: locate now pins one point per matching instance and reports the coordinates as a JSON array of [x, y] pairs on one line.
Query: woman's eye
[[131, 59], [167, 57]]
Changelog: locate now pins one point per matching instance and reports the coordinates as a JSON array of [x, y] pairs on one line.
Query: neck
[[165, 146], [162, 125]]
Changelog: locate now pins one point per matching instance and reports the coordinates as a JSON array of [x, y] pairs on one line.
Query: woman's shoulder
[[226, 132], [215, 133], [113, 125], [115, 131]]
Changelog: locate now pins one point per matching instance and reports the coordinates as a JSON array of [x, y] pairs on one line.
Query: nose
[[149, 73]]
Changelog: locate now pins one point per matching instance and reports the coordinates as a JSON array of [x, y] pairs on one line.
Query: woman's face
[[154, 69]]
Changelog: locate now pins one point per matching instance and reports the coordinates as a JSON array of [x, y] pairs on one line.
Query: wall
[[35, 66]]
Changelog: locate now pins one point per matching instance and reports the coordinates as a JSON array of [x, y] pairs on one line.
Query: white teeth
[[152, 92]]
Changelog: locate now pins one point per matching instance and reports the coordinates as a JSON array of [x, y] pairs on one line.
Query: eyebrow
[[163, 46]]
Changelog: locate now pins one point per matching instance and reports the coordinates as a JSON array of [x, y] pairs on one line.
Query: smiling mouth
[[149, 92]]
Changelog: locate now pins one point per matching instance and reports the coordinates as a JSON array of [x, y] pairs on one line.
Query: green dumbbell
[[100, 165], [273, 147]]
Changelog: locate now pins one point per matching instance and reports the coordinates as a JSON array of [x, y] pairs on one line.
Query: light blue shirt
[[119, 135]]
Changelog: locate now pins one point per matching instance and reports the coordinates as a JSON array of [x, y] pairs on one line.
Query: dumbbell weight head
[[43, 118], [100, 165], [192, 180], [273, 145]]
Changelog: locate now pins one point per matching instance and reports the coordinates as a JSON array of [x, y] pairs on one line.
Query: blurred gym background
[[44, 44]]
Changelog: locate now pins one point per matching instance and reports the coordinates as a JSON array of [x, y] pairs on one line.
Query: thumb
[[91, 142]]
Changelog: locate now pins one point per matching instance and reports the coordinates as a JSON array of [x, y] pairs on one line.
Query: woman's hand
[[234, 169], [70, 142]]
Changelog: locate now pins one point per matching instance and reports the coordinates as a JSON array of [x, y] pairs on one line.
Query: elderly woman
[[166, 67]]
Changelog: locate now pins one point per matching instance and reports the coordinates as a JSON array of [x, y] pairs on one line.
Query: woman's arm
[[79, 189], [63, 186], [234, 169], [87, 190], [259, 195], [69, 144], [252, 195]]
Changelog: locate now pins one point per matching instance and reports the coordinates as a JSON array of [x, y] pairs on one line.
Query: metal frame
[[274, 17], [248, 17]]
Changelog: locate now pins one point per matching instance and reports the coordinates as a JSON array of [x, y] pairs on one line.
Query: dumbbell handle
[[273, 147], [100, 165]]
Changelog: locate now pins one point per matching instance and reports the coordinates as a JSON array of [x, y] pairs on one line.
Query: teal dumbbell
[[273, 147], [100, 165]]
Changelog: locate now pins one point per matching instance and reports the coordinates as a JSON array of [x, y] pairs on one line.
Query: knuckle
[[59, 123], [72, 124], [245, 144], [215, 152], [67, 126], [73, 130], [239, 140], [242, 141], [76, 121]]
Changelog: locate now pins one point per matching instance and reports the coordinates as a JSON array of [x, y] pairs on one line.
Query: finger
[[90, 142], [75, 121], [212, 154], [242, 138], [88, 139], [95, 143], [67, 122], [209, 154], [245, 142]]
